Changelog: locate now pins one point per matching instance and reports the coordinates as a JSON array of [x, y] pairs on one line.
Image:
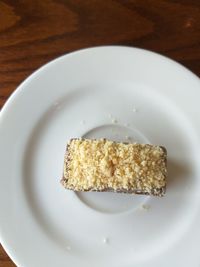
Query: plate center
[[113, 202]]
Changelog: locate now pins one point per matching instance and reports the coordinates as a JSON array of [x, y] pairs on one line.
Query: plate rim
[[20, 87]]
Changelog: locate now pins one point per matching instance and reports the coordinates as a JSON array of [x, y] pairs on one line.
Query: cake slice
[[103, 165]]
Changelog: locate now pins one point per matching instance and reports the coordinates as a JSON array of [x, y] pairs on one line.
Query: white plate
[[113, 92]]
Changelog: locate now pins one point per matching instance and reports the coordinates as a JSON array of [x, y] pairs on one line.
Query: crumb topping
[[103, 164]]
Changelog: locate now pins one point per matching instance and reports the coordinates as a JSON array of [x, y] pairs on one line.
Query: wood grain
[[34, 32]]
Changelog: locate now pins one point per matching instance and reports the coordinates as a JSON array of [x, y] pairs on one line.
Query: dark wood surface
[[34, 32]]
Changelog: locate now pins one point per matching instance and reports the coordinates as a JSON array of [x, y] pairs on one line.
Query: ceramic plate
[[120, 93]]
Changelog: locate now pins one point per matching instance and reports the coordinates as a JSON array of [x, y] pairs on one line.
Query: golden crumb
[[102, 165]]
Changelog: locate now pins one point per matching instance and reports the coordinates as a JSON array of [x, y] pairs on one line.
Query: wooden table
[[34, 32]]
